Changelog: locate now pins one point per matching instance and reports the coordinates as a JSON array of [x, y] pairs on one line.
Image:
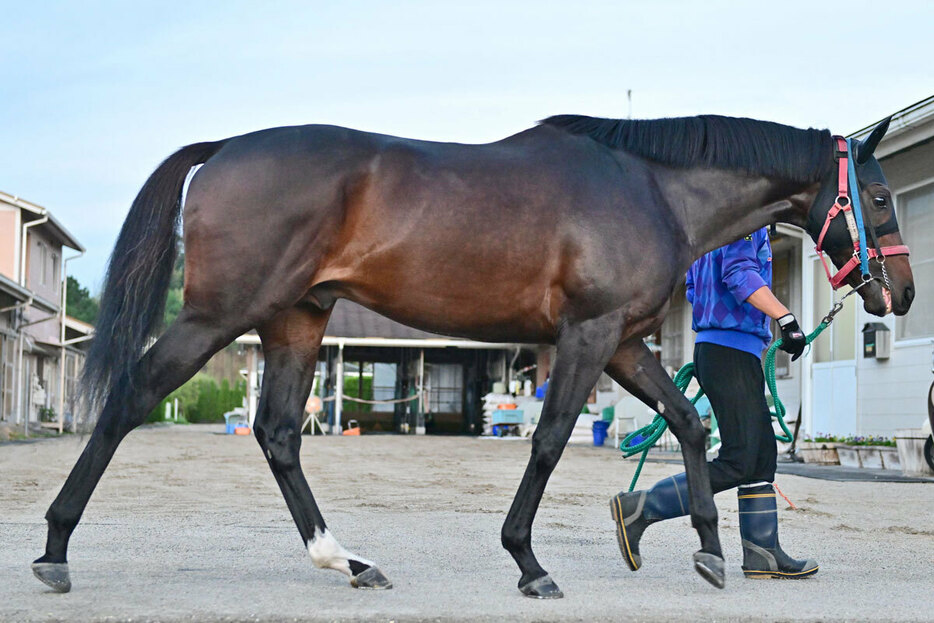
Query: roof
[[910, 125], [78, 325], [352, 320], [44, 304], [354, 325], [11, 293], [53, 226]]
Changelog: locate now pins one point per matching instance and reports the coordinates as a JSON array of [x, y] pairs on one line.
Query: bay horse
[[585, 225]]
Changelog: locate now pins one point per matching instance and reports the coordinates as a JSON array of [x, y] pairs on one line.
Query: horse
[[585, 225]]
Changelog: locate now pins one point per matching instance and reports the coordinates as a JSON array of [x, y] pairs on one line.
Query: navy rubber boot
[[636, 511], [758, 525]]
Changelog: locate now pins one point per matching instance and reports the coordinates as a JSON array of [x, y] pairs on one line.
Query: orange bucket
[[353, 428], [242, 430]]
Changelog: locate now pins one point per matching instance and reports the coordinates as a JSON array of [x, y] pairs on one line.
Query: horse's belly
[[487, 306]]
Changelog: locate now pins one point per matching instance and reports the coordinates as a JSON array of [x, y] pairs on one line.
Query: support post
[[420, 422], [251, 378], [339, 390]]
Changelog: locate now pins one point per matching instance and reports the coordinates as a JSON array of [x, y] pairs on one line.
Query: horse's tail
[[137, 283]]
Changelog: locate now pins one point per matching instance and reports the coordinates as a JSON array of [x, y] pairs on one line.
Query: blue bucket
[[599, 432]]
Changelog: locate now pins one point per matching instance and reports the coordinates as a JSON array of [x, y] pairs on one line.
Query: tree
[[174, 300], [80, 303]]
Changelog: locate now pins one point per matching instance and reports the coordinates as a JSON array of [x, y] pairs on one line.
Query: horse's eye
[[879, 202]]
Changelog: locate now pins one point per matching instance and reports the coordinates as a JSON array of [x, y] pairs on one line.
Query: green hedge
[[351, 388], [201, 399]]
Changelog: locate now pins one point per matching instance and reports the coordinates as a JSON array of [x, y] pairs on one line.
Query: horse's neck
[[716, 207]]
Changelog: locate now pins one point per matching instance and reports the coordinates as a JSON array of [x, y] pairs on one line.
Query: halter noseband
[[853, 215]]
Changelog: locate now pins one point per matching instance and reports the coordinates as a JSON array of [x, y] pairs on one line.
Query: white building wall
[[892, 393]]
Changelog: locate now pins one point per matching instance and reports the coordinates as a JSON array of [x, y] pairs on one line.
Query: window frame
[[908, 188]]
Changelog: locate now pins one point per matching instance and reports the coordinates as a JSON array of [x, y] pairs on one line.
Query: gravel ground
[[188, 525]]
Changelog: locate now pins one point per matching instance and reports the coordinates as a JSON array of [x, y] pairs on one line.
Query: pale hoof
[[711, 568], [542, 588], [371, 578], [53, 574]]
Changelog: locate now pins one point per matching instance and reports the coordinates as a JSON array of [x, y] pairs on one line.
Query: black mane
[[759, 147]]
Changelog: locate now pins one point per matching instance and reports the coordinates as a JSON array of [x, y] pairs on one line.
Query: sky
[[93, 95]]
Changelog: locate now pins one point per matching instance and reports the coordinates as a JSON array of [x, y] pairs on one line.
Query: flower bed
[[818, 452], [874, 452]]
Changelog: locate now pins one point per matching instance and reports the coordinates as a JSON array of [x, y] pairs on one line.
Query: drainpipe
[[61, 358]]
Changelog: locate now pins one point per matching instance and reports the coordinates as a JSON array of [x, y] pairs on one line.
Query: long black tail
[[138, 277]]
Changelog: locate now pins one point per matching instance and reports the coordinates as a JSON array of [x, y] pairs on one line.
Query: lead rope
[[653, 431]]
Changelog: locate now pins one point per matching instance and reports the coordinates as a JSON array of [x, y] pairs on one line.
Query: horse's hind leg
[[290, 347], [173, 359]]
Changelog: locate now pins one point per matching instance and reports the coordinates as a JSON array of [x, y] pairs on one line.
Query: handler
[[729, 289]]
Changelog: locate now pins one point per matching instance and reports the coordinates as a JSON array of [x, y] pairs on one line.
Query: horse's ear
[[869, 145]]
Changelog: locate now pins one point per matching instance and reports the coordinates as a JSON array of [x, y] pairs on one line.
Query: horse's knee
[[280, 444]]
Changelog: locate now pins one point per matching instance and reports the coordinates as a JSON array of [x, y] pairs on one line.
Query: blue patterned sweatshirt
[[717, 287]]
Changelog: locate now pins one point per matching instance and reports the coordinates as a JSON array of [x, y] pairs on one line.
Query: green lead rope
[[651, 433]]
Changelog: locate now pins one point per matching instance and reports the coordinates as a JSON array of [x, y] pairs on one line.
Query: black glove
[[793, 340]]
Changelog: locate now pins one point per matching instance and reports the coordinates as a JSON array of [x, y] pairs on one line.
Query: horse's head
[[878, 214]]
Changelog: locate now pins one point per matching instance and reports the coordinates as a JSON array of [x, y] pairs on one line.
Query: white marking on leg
[[326, 552], [661, 408]]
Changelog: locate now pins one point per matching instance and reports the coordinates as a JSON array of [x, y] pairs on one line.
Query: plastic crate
[[508, 416]]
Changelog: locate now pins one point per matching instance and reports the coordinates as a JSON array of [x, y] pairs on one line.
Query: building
[[839, 388], [40, 347], [426, 382]]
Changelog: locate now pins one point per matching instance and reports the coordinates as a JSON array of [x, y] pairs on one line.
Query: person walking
[[730, 291]]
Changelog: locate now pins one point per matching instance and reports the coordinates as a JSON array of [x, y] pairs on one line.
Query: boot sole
[[617, 511], [779, 575]]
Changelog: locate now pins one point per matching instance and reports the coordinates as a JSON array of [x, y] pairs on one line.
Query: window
[[43, 264], [445, 385], [916, 222], [54, 269]]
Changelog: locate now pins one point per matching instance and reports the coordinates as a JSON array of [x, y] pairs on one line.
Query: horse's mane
[[759, 147]]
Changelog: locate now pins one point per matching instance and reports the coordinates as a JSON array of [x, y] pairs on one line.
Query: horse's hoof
[[711, 568], [542, 588], [54, 574], [371, 578]]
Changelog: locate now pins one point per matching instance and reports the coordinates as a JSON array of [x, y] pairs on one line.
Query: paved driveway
[[189, 525]]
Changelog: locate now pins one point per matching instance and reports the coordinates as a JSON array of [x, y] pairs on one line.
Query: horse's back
[[431, 234]]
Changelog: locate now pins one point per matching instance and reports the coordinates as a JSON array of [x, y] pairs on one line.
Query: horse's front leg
[[583, 351], [636, 368]]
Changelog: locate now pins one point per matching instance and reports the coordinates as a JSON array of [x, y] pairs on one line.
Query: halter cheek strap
[[849, 206]]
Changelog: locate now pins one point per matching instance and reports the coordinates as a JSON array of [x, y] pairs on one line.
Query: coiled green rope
[[652, 432]]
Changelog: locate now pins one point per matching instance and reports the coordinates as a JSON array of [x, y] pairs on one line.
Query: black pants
[[735, 385]]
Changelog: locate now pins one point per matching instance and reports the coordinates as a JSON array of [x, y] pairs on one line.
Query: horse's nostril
[[909, 295]]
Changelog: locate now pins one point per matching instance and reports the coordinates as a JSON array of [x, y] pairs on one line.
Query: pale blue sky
[[93, 95]]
